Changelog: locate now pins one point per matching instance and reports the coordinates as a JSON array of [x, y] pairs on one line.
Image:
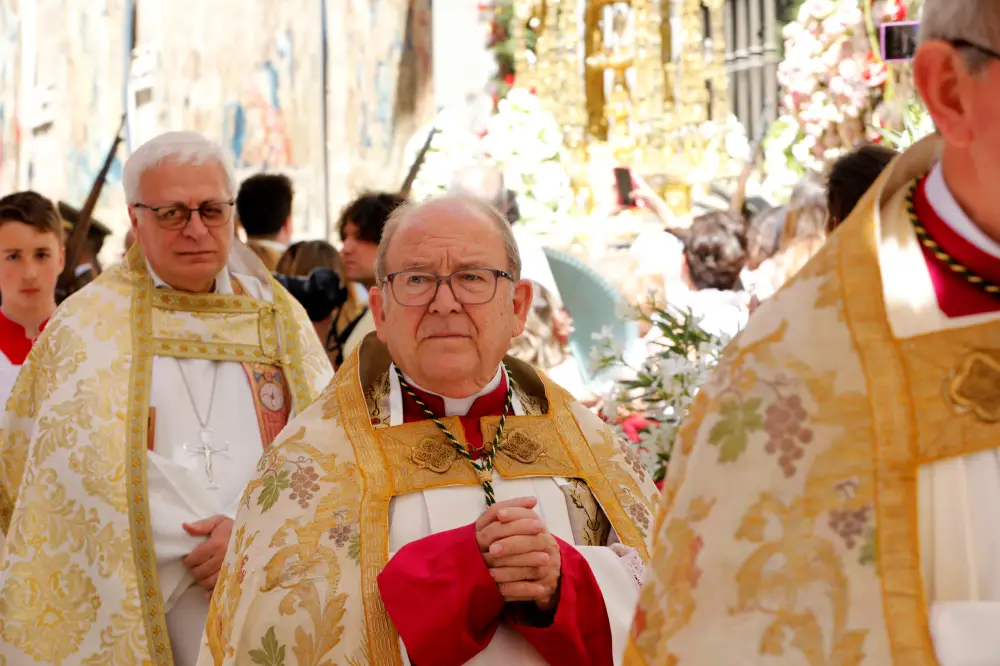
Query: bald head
[[434, 213]]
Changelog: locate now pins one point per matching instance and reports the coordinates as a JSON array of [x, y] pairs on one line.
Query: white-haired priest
[[440, 504], [138, 420]]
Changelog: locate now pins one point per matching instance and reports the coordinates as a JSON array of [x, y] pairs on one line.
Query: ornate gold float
[[630, 82]]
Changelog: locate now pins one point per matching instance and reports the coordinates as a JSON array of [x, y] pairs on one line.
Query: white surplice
[[8, 376], [959, 498], [419, 514], [177, 478]]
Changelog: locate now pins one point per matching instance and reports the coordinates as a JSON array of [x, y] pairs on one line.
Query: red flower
[[895, 10], [509, 79], [633, 424], [533, 91], [659, 485], [875, 72]]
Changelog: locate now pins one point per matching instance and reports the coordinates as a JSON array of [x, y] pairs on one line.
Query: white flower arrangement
[[522, 139], [825, 80], [649, 402]]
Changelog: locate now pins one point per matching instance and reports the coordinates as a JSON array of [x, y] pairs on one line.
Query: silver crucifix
[[206, 450]]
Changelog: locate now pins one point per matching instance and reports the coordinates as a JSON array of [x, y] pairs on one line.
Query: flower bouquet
[[523, 140], [649, 402]]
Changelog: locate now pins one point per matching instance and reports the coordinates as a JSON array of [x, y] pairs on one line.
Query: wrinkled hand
[[522, 557], [205, 561]]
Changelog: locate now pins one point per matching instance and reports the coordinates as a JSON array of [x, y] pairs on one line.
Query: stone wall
[[247, 73]]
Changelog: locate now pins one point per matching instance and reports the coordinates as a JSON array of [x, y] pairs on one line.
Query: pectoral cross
[[207, 451]]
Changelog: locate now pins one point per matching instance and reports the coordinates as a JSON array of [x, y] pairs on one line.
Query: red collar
[[14, 341], [955, 296], [490, 404]]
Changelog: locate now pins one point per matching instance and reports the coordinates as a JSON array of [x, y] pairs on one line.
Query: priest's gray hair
[[181, 147], [975, 21], [474, 205]]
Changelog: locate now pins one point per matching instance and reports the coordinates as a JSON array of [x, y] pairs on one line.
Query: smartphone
[[899, 40], [625, 185]]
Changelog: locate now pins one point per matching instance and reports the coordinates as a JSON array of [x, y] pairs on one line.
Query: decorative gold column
[[717, 70], [522, 71]]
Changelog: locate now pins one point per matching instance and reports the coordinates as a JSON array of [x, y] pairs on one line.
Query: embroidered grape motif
[[849, 524], [304, 485], [784, 422]]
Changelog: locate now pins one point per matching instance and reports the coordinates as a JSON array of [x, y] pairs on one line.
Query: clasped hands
[[205, 561], [522, 557]]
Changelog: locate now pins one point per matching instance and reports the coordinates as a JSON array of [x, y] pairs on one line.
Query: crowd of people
[[201, 466]]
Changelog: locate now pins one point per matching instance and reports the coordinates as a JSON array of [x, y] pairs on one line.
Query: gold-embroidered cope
[[313, 532], [78, 579], [788, 532]]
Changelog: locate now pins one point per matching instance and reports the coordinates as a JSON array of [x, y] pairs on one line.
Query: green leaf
[[733, 447], [721, 431], [732, 432], [867, 555], [271, 491], [354, 548], [272, 654]]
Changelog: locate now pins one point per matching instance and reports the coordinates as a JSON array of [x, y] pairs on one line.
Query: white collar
[[222, 283], [452, 406], [947, 208]]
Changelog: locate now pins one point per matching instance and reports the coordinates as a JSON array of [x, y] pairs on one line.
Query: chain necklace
[[940, 254], [211, 396], [483, 467], [206, 450]]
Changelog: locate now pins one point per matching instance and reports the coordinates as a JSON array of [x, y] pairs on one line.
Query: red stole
[[955, 295], [14, 341], [490, 404]]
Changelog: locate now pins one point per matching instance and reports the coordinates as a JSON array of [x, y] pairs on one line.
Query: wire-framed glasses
[[471, 286], [176, 216], [964, 44]]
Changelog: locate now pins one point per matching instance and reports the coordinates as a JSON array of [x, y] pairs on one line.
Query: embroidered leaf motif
[[271, 491], [272, 654], [354, 549], [867, 555], [732, 433]]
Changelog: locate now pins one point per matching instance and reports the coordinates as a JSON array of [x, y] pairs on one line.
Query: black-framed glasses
[[176, 216], [471, 286], [964, 44]]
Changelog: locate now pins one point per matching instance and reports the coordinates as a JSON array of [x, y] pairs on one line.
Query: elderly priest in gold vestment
[[138, 420], [439, 504], [835, 495]]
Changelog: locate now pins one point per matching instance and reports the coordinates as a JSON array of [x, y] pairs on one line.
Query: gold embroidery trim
[[292, 361], [896, 502], [167, 299], [521, 447], [434, 454], [373, 521], [216, 352], [154, 619], [977, 387]]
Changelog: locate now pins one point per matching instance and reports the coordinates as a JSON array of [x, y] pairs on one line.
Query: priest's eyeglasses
[[177, 216], [470, 286], [963, 44]]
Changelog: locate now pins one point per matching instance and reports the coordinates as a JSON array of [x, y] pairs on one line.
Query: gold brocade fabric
[[788, 533], [313, 532], [78, 579]]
